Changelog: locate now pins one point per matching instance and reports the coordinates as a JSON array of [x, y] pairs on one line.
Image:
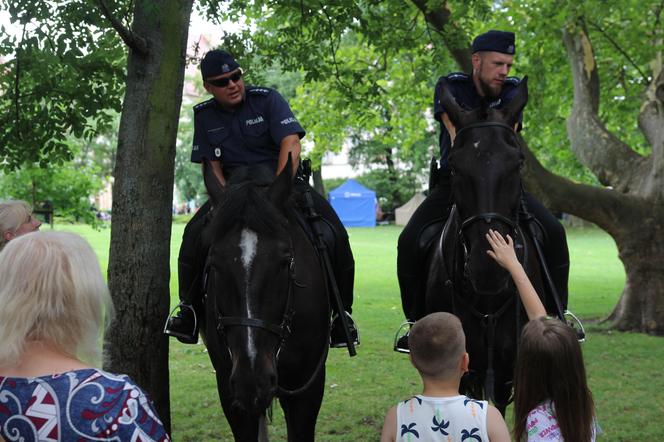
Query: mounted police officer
[[492, 58], [242, 126]]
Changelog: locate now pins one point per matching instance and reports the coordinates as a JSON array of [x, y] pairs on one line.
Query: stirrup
[[186, 338], [352, 325], [574, 322], [406, 325]]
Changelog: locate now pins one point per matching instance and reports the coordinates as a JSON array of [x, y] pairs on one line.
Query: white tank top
[[454, 418]]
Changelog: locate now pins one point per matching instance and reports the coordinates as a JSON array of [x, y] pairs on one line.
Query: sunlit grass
[[623, 368]]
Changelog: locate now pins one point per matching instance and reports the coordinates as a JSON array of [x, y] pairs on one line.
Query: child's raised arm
[[503, 252]]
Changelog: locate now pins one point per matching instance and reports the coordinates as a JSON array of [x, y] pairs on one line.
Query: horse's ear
[[512, 111], [214, 188], [281, 187], [454, 112]]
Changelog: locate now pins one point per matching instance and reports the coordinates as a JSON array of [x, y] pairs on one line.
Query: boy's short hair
[[436, 343], [52, 290]]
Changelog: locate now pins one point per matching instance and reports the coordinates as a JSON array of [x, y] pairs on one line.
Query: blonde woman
[[54, 307], [15, 220]]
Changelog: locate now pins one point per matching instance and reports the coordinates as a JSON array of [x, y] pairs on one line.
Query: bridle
[[282, 331], [487, 217]]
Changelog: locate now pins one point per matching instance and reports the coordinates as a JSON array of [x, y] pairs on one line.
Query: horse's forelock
[[246, 203]]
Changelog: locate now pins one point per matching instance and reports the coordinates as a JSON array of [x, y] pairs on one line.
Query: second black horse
[[462, 279]]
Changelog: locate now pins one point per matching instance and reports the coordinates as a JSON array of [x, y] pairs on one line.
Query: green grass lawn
[[624, 369]]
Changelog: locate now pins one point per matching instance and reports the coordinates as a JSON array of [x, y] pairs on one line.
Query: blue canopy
[[355, 204]]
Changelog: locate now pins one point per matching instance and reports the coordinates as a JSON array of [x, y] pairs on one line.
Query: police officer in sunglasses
[[242, 126]]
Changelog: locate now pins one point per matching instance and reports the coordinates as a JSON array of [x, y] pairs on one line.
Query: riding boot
[[337, 334], [412, 298], [413, 306], [345, 280], [184, 325], [560, 276]]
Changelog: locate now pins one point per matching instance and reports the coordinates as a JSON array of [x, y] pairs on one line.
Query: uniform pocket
[[255, 127], [217, 136]]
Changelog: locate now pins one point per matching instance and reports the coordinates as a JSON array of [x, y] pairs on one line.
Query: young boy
[[438, 352]]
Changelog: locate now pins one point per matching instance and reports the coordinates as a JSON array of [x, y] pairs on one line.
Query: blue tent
[[355, 204]]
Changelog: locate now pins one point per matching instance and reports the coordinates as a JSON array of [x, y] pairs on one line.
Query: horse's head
[[486, 184], [250, 279]]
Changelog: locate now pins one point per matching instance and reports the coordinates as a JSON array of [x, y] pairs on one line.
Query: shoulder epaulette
[[258, 90], [204, 105], [457, 76], [514, 81]]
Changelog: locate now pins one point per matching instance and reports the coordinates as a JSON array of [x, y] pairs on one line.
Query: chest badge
[[253, 121], [217, 152]]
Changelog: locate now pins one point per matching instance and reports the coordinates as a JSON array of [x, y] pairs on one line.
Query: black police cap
[[217, 62], [495, 41]]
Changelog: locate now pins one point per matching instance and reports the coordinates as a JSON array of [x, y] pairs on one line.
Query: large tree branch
[[651, 123], [133, 41], [455, 40], [611, 160], [602, 206]]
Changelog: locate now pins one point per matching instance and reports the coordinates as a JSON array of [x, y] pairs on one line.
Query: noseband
[[282, 330]]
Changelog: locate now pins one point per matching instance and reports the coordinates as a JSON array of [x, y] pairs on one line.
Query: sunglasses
[[223, 82]]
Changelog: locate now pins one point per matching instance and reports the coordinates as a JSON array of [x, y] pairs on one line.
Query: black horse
[[486, 190], [266, 321]]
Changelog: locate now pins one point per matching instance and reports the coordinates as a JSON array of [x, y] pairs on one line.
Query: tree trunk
[[393, 177], [632, 209], [319, 185], [139, 261], [641, 247]]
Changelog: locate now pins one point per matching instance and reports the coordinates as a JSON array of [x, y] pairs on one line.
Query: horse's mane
[[246, 203], [483, 111]]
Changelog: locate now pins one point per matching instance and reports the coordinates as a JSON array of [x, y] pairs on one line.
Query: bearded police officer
[[243, 126], [492, 58]]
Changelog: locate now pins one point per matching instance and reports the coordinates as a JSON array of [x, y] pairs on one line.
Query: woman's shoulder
[[92, 402]]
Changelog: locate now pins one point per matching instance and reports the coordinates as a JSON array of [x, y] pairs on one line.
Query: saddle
[[329, 234]]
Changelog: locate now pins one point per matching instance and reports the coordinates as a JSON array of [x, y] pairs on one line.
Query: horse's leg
[[503, 390], [301, 411]]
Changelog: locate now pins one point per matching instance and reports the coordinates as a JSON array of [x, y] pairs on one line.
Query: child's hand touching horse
[[503, 252]]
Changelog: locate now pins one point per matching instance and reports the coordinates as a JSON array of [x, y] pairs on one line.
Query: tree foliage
[[594, 113], [61, 75], [67, 187]]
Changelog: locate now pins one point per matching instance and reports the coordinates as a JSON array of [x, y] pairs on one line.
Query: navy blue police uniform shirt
[[463, 90], [249, 135]]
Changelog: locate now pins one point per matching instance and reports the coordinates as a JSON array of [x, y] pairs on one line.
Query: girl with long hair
[[552, 399]]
